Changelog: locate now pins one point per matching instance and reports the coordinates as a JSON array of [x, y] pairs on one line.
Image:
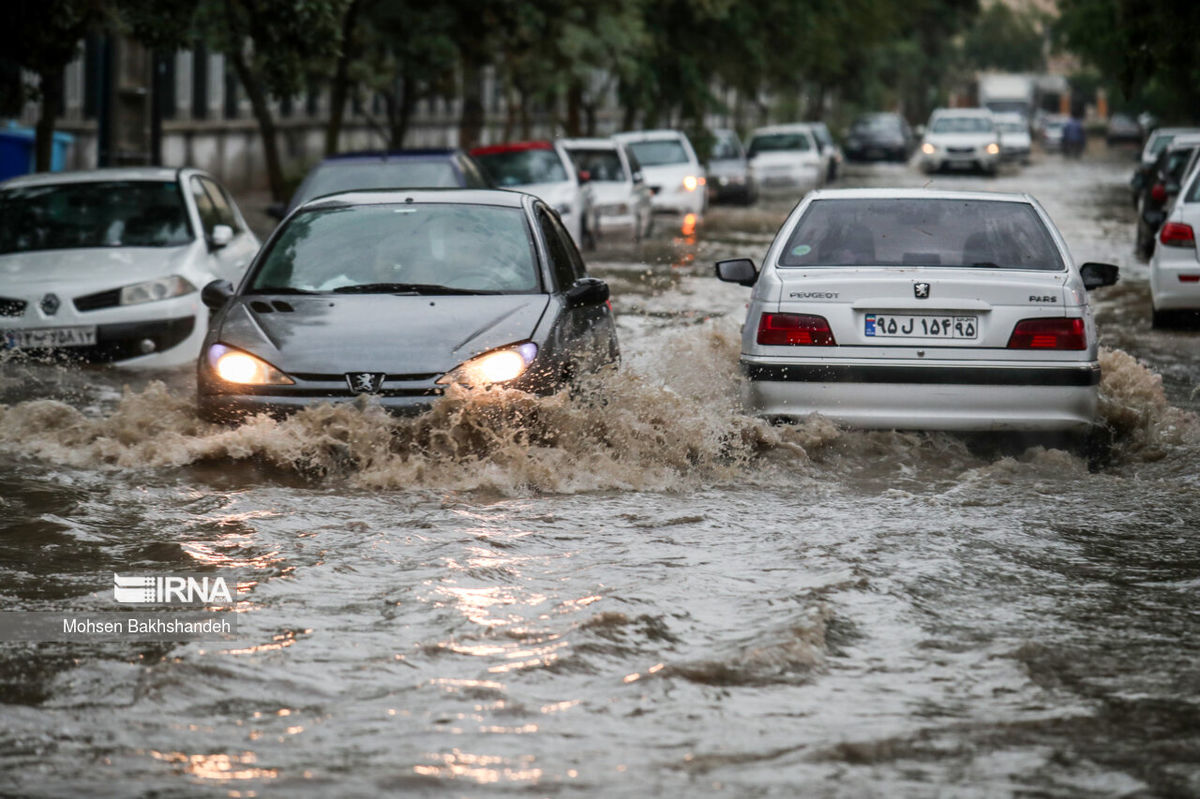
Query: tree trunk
[[574, 106], [52, 92], [266, 123], [470, 125], [400, 109], [340, 88]]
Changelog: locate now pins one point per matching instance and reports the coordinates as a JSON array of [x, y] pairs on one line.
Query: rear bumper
[[1167, 291], [964, 398]]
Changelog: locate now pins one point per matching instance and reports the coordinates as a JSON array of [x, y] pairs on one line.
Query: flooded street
[[634, 594]]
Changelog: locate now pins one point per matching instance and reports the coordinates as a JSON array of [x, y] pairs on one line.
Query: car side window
[[207, 209], [560, 249], [220, 201]]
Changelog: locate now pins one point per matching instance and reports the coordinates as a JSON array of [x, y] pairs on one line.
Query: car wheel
[[1160, 319]]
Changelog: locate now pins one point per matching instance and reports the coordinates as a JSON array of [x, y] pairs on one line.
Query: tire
[[1160, 320]]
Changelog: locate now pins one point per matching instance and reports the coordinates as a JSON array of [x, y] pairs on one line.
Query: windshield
[[94, 214], [725, 148], [775, 142], [920, 232], [962, 125], [601, 165], [334, 177], [659, 152], [464, 247], [1160, 142], [522, 167]]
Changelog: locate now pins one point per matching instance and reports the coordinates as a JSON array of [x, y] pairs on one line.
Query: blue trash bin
[[16, 152]]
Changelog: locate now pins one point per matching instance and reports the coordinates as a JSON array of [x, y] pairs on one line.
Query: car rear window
[[64, 216], [659, 152], [459, 246], [922, 232], [776, 142], [523, 167], [355, 176]]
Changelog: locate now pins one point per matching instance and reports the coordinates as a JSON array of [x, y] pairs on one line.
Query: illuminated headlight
[[236, 366], [498, 366], [691, 182], [928, 148], [993, 149], [153, 290]]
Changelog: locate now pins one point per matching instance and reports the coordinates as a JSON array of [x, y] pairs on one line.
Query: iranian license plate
[[50, 337], [880, 325]]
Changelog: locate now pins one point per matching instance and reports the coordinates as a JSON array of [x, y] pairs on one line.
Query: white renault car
[[917, 309], [961, 138], [107, 265], [621, 199], [671, 169], [1175, 264], [787, 158]]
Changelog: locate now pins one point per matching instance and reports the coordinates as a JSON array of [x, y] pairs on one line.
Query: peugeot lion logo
[[50, 304], [365, 382], [921, 291]]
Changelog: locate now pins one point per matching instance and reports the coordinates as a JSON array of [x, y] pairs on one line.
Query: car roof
[[431, 154], [966, 112], [593, 142], [503, 197], [918, 194], [643, 135], [790, 127], [1184, 140], [155, 173], [1009, 116]]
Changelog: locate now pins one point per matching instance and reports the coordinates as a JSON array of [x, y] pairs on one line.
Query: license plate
[[50, 337], [912, 326]]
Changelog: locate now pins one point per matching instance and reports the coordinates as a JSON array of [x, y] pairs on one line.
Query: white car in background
[[830, 151], [961, 138], [1015, 141], [543, 169], [921, 309], [619, 192], [107, 265], [1175, 263], [787, 158], [671, 170]]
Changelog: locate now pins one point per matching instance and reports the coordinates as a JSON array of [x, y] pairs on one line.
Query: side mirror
[[1096, 275], [216, 294], [737, 270], [220, 236], [637, 177], [587, 291], [584, 176], [277, 211]]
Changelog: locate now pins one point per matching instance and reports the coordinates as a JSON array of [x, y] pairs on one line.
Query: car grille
[[11, 307], [101, 299], [960, 150]]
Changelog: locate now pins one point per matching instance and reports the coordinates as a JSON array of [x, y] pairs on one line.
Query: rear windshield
[[335, 177], [601, 165], [93, 214], [883, 124], [523, 167], [919, 232], [962, 125], [466, 247], [774, 142], [660, 152]]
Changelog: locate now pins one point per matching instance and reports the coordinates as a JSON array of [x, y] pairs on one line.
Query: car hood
[[397, 334], [81, 271], [960, 139], [609, 192], [669, 176], [784, 158], [731, 167]]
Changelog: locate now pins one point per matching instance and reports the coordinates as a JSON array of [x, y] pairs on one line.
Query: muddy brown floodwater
[[649, 594]]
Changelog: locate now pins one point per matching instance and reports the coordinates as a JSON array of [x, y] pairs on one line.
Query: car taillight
[[1158, 193], [791, 329], [1189, 278], [1177, 234], [1048, 334]]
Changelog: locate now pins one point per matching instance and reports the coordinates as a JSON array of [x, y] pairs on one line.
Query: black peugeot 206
[[399, 294]]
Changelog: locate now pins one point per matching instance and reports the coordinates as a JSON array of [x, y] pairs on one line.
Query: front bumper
[[122, 341], [1026, 396], [679, 201], [234, 407], [946, 159]]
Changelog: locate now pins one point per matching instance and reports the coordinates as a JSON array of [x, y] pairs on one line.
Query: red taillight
[[1189, 278], [792, 329], [1158, 193], [1048, 334], [1177, 234]]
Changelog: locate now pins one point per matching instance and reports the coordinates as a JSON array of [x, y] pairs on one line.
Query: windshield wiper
[[406, 288], [279, 290]]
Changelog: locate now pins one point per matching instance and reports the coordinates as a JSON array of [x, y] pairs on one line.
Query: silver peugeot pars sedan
[[398, 294], [918, 309]]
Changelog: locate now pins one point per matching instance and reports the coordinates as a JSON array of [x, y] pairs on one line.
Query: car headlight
[[928, 148], [993, 149], [498, 366], [691, 183], [238, 366], [163, 288]]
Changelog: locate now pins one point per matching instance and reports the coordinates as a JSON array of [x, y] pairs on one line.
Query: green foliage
[[1005, 40]]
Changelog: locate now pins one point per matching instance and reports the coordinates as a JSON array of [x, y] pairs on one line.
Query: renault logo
[[365, 382], [50, 304], [921, 291]]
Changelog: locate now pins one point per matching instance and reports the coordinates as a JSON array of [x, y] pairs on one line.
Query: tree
[[1005, 40]]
